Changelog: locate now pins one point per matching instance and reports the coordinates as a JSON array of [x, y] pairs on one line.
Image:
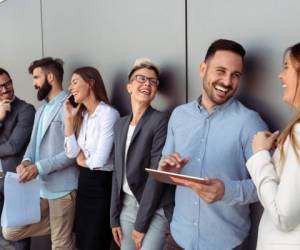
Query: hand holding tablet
[[174, 178]]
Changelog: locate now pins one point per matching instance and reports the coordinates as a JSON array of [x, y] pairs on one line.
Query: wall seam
[[186, 54], [42, 28]]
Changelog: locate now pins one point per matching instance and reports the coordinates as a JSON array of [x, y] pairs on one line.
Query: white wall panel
[[20, 42], [111, 34]]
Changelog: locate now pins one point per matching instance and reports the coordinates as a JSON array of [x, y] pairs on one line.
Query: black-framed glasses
[[142, 79], [5, 85]]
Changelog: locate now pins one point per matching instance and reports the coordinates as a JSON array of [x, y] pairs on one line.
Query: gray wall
[[174, 33]]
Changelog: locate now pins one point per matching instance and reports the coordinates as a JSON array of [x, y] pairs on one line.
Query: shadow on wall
[[255, 70], [167, 92], [254, 84], [120, 97], [171, 94]]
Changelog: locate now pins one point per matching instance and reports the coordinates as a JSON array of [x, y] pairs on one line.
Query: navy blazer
[[15, 134], [144, 152]]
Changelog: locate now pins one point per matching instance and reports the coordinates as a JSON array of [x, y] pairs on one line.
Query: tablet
[[173, 178]]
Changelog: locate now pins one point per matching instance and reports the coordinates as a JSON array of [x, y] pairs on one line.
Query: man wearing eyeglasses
[[16, 121]]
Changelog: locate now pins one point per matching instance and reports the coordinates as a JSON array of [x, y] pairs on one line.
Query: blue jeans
[[155, 236]]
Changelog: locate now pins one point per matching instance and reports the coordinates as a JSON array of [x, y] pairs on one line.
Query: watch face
[[1, 1]]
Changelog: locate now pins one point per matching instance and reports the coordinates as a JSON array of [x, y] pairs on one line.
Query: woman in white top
[[89, 139], [277, 178]]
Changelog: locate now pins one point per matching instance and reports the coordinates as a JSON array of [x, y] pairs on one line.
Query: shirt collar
[[96, 112], [216, 108], [55, 99]]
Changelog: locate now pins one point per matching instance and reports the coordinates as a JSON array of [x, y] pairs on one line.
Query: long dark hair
[[92, 76]]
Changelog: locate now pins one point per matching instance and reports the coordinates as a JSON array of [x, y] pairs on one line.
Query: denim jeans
[[155, 236]]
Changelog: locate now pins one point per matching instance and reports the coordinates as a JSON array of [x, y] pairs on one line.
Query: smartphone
[[72, 101]]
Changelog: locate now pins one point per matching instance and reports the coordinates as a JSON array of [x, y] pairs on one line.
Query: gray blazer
[[144, 152], [59, 172], [15, 134]]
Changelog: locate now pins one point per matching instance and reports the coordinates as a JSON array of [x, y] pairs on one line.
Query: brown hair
[[48, 64], [294, 53], [91, 76]]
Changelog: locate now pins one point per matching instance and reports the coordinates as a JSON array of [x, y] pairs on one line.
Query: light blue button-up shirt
[[217, 145], [45, 116]]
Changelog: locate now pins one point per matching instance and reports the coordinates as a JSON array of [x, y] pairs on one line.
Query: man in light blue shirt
[[211, 138], [45, 159]]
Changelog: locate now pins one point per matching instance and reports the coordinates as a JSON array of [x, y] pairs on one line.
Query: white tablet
[[173, 178]]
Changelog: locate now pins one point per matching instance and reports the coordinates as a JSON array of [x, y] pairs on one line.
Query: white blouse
[[95, 138], [126, 187], [279, 227]]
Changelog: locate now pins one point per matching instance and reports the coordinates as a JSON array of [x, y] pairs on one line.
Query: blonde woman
[[139, 203], [277, 178]]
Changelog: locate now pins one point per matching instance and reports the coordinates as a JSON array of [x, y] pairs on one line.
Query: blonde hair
[[294, 54], [141, 63]]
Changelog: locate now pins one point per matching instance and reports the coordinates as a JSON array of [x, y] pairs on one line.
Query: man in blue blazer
[[16, 121], [45, 159]]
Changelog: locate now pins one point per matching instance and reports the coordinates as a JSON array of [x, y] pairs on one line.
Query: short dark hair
[[224, 44], [48, 64], [3, 71]]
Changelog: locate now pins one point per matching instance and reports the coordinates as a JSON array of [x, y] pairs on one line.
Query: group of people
[[91, 163]]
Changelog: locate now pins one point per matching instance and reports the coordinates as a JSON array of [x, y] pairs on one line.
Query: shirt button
[[196, 203], [195, 223], [202, 139]]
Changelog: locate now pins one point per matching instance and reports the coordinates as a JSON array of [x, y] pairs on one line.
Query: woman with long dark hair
[[277, 178], [89, 137]]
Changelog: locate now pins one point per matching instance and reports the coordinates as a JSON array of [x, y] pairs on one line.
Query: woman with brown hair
[[89, 139], [277, 178]]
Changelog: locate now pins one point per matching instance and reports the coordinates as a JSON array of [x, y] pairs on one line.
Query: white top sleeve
[[72, 148], [279, 195]]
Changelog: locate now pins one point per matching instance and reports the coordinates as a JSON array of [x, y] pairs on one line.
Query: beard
[[210, 89], [44, 90]]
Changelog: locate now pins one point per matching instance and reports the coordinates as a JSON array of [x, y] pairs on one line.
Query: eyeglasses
[[5, 85], [142, 79]]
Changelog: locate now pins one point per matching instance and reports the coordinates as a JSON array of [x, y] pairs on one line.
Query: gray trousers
[[155, 236]]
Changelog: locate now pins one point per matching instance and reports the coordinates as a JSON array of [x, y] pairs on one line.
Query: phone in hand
[[72, 101]]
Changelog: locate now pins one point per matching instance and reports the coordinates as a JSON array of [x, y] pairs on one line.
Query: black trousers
[[92, 225]]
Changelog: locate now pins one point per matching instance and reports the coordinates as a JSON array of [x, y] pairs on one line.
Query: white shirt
[[279, 228], [95, 138], [126, 187]]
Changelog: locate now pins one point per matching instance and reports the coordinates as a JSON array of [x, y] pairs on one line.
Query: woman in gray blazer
[[139, 203]]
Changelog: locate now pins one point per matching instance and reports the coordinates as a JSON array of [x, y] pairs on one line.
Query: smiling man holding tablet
[[212, 139]]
